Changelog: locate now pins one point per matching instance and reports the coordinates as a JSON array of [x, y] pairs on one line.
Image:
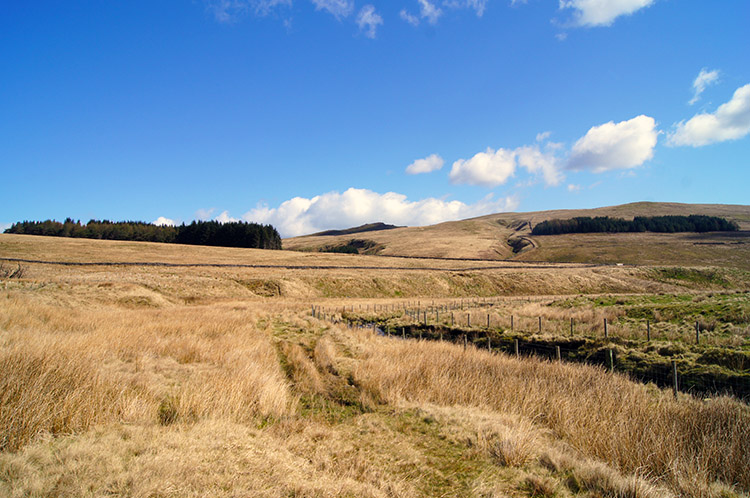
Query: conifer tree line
[[207, 233], [661, 224]]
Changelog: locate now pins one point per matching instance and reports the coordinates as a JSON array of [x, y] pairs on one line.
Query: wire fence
[[643, 350]]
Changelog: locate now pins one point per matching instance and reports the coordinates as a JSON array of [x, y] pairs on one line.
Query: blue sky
[[317, 114]]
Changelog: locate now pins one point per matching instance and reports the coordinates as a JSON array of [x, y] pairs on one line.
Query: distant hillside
[[370, 227], [508, 236]]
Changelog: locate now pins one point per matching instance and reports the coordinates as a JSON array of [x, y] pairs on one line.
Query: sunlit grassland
[[215, 381]]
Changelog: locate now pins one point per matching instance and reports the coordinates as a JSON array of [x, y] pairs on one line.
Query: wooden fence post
[[674, 377], [515, 346], [559, 355], [648, 331], [606, 332], [571, 326], [489, 342], [488, 320], [611, 361], [511, 324], [697, 333], [540, 324], [468, 319]]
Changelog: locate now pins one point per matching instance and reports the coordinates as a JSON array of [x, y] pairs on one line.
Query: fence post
[[489, 342], [559, 356], [606, 332], [571, 326], [515, 346], [403, 332], [511, 324], [611, 361], [540, 324], [465, 341], [453, 319], [697, 333], [674, 377], [468, 319], [488, 320], [648, 331]]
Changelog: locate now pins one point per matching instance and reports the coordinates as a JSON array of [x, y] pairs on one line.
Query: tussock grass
[[606, 417]]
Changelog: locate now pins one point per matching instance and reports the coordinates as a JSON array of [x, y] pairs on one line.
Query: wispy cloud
[[433, 162], [601, 12], [339, 8], [702, 81], [229, 11], [478, 6], [427, 11], [353, 207], [611, 146], [731, 121], [368, 21]]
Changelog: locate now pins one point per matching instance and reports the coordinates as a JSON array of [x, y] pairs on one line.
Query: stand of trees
[[209, 233], [663, 224]]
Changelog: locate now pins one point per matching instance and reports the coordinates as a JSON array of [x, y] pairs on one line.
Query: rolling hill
[[507, 236]]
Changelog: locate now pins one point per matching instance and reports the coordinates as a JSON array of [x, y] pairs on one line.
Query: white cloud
[[162, 221], [5, 226], [204, 214], [490, 168], [429, 11], [615, 146], [225, 218], [574, 188], [354, 207], [368, 21], [537, 162], [602, 12], [430, 163], [730, 122], [339, 8], [704, 79]]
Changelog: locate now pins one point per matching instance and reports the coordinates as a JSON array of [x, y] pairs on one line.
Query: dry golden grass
[[157, 381], [687, 444]]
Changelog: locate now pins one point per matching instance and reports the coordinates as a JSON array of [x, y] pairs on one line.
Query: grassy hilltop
[[167, 370], [508, 236]]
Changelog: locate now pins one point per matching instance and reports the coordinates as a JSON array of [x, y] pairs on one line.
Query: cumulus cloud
[[368, 21], [602, 12], [730, 122], [225, 218], [433, 162], [299, 216], [541, 162], [162, 221], [702, 81], [574, 188], [610, 146], [489, 168], [492, 168], [339, 8]]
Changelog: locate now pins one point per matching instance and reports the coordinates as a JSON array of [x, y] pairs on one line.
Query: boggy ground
[[131, 381]]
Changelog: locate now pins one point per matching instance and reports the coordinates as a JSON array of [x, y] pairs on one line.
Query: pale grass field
[[121, 381]]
